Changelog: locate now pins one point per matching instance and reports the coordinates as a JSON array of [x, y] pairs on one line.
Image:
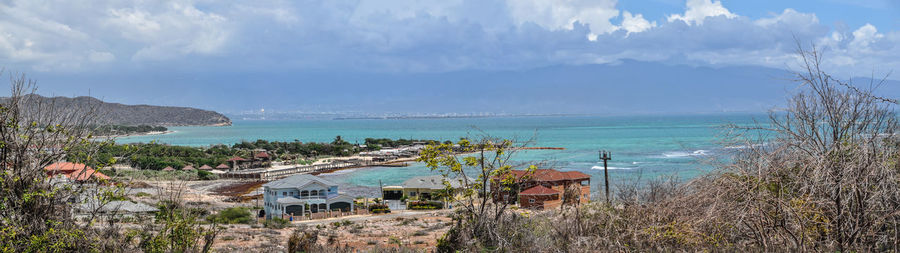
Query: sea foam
[[682, 154], [610, 167]]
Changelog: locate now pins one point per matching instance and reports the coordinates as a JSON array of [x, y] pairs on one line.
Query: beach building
[[236, 162], [302, 194], [78, 172], [168, 168], [542, 189], [261, 159], [222, 167], [421, 188], [206, 167], [188, 168]]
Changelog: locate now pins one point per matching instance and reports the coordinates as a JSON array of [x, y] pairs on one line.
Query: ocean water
[[642, 147]]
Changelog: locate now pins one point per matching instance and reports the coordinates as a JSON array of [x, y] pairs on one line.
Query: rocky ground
[[411, 229]]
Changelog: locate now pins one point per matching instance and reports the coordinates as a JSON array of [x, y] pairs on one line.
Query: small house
[[74, 171], [544, 188]]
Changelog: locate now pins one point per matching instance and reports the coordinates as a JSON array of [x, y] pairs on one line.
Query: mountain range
[[134, 115]]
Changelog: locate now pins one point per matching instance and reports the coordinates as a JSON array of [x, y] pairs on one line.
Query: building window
[[283, 193], [585, 183], [304, 194], [313, 193]]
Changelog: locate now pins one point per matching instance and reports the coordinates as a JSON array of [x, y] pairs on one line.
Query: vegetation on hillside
[[378, 143], [132, 115], [155, 156], [38, 213]]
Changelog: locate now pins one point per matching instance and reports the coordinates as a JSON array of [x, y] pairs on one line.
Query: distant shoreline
[[452, 116], [137, 134]]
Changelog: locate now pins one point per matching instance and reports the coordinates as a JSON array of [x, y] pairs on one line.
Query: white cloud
[[172, 29], [698, 10], [790, 17], [865, 36], [556, 15], [65, 35], [412, 36], [635, 23], [99, 57]]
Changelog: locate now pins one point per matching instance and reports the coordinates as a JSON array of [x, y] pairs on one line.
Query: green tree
[[483, 175]]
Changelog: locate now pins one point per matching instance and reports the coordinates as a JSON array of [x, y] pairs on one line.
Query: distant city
[[299, 115]]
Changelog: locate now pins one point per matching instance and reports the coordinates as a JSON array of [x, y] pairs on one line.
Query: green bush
[[233, 215], [206, 175], [379, 208], [424, 205]]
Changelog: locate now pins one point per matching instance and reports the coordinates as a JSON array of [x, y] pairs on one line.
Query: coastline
[[137, 134]]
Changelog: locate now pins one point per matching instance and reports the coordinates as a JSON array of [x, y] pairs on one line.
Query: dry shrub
[[821, 175]]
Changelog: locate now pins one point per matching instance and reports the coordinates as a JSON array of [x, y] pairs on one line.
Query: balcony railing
[[310, 197]]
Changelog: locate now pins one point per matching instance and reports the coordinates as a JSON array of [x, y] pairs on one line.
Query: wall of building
[[540, 201], [559, 186], [271, 196]]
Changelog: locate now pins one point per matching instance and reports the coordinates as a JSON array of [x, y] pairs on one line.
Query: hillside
[[133, 115]]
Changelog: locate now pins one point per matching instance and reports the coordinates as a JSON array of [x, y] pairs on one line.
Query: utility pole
[[605, 156]]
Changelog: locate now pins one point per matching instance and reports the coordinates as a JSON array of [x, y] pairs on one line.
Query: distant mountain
[[134, 115]]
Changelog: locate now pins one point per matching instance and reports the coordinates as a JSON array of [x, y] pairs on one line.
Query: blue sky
[[138, 52]]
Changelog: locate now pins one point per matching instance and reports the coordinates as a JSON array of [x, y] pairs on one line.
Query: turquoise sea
[[642, 146]]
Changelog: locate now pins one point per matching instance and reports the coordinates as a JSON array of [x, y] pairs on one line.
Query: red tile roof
[[85, 174], [549, 175], [63, 167], [539, 190], [74, 171]]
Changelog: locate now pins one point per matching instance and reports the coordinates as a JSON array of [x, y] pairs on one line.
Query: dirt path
[[368, 217]]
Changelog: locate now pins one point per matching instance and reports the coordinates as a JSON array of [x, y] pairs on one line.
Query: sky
[[395, 56]]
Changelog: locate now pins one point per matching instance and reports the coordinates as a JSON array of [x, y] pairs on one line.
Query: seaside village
[[273, 192]]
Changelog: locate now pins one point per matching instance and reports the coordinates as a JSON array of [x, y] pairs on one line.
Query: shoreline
[[137, 134], [403, 162]]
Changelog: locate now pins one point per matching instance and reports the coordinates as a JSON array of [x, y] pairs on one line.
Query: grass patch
[[233, 215], [277, 223]]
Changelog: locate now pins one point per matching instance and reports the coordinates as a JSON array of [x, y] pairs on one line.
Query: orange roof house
[[541, 189], [74, 171]]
